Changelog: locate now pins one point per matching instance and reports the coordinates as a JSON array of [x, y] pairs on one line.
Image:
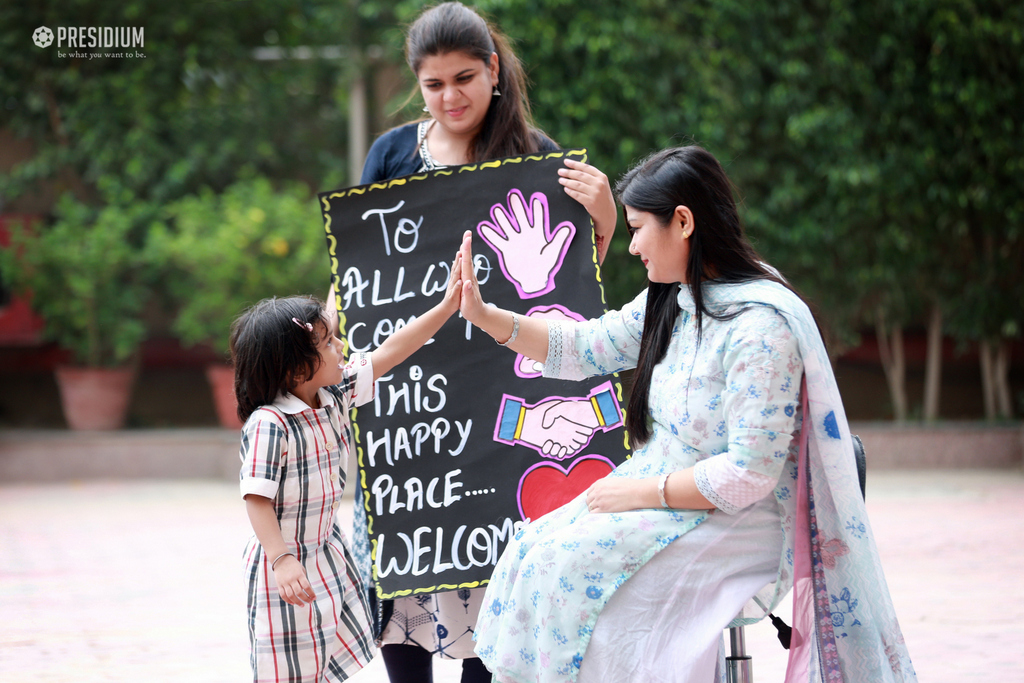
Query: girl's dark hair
[[685, 176], [270, 351], [452, 27]]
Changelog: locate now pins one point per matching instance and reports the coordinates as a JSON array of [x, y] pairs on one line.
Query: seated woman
[[742, 483]]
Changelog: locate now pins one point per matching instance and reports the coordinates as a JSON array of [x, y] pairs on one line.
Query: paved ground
[[140, 582]]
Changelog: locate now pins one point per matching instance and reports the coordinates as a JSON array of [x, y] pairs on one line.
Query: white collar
[[291, 404]]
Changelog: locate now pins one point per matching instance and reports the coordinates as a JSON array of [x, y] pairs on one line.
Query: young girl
[[308, 615]]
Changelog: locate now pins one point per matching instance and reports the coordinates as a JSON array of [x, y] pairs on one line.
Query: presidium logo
[[42, 37], [103, 37]]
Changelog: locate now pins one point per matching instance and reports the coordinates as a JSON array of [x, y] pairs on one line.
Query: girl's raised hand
[[292, 583], [453, 296], [472, 304]]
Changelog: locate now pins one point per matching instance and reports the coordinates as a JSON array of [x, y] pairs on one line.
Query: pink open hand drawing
[[558, 427], [528, 368], [529, 251]]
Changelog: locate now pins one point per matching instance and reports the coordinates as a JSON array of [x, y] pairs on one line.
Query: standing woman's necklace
[[428, 160]]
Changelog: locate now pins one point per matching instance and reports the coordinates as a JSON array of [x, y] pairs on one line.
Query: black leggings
[[413, 664]]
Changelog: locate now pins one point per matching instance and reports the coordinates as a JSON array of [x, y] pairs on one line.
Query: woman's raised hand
[[472, 305]]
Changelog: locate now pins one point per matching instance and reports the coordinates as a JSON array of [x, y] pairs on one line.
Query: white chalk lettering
[[383, 226], [455, 552], [430, 284], [420, 433], [385, 328], [402, 444], [411, 397], [393, 563], [410, 441], [384, 489], [418, 550], [437, 505], [442, 397], [436, 429], [352, 345], [374, 445], [354, 285], [407, 226], [382, 486], [463, 436], [413, 494], [469, 547], [504, 534], [395, 395], [377, 301], [439, 564], [483, 546], [482, 268], [399, 294], [449, 488]]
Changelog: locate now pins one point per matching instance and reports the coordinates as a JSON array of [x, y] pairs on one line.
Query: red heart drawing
[[547, 486]]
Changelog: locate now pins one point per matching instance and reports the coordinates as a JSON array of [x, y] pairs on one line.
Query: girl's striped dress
[[296, 456]]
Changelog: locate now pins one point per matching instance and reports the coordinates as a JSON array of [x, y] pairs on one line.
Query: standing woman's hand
[[590, 187]]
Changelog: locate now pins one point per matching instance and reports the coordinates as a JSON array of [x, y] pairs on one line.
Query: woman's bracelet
[[662, 480], [276, 559], [515, 331]]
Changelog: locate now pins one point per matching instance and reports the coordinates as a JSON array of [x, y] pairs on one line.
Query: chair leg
[[738, 666]]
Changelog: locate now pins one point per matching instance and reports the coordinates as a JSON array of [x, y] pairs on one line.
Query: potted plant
[[84, 276], [226, 252]]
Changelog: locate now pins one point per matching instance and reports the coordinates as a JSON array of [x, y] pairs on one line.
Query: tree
[[189, 109], [876, 148], [974, 76]]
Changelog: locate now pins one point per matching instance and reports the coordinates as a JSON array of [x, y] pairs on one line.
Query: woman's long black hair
[[453, 27], [685, 176], [270, 351]]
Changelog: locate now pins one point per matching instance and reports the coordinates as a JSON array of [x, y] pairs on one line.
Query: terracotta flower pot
[[95, 398], [222, 384]]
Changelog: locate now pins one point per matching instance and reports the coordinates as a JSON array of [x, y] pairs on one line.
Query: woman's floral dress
[[649, 591]]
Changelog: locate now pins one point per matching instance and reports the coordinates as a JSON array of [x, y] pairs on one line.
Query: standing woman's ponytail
[[507, 129], [452, 27]]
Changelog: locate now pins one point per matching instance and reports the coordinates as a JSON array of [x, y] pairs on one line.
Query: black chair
[[739, 665]]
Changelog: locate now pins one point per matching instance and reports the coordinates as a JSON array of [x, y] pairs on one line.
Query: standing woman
[[475, 95], [742, 481]]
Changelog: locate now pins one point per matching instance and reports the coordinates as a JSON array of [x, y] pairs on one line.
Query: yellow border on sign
[[332, 245]]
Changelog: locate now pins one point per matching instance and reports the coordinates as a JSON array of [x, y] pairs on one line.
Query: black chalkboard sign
[[465, 440]]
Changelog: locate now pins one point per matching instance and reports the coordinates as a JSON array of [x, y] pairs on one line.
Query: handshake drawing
[[558, 427]]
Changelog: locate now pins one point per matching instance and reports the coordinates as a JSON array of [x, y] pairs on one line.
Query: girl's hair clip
[[306, 326]]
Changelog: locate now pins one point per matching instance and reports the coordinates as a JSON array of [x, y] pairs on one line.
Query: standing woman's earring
[[495, 92], [426, 108]]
